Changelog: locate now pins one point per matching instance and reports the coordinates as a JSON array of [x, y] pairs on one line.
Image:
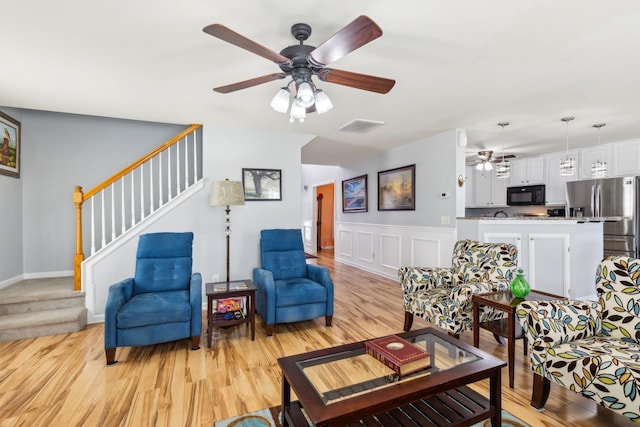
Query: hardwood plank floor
[[62, 380]]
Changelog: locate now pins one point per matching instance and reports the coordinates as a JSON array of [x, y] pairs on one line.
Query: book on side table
[[398, 354]]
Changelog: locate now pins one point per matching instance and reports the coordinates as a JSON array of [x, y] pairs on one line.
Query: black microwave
[[525, 195]]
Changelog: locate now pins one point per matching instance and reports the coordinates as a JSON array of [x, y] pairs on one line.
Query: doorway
[[324, 217]]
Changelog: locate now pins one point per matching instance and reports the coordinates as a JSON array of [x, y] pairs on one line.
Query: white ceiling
[[457, 64]]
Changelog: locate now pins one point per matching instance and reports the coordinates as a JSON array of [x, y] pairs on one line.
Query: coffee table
[[232, 289], [343, 384], [506, 327]]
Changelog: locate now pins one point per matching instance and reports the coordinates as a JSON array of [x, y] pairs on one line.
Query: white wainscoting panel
[[345, 248], [365, 246], [397, 246], [390, 251], [426, 252]]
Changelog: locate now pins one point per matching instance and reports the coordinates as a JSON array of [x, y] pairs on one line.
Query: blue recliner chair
[[162, 303], [289, 289]]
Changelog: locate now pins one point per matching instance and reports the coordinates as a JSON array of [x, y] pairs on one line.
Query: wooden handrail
[[79, 197], [141, 160]]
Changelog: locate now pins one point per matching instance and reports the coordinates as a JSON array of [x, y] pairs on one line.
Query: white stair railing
[[137, 192]]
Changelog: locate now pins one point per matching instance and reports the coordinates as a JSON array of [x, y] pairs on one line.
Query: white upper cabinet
[[489, 190], [590, 155], [527, 171], [625, 158], [555, 184]]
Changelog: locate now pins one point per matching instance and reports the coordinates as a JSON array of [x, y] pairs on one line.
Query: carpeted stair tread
[[44, 317]]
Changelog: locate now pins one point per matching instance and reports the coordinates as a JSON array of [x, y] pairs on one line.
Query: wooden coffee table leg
[[495, 397], [286, 400]]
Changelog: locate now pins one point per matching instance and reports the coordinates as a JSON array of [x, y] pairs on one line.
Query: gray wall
[[11, 257], [60, 151], [438, 162]]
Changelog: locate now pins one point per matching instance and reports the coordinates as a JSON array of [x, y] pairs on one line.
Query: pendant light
[[567, 163], [599, 167], [503, 168]]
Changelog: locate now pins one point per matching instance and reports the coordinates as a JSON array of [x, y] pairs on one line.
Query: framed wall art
[[9, 146], [354, 194], [262, 184], [396, 189]]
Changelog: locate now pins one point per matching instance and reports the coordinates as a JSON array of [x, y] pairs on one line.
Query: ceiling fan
[[485, 158], [301, 62]]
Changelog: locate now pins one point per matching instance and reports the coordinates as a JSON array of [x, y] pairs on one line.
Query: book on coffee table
[[398, 354]]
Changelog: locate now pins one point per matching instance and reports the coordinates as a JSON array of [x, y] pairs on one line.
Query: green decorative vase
[[520, 287]]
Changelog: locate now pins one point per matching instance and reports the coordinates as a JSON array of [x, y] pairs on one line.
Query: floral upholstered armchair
[[442, 296], [591, 348]]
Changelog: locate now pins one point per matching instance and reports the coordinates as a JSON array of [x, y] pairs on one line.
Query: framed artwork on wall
[[9, 146], [354, 194], [396, 189], [262, 184]]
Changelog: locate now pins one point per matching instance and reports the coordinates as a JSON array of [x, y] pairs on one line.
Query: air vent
[[360, 126]]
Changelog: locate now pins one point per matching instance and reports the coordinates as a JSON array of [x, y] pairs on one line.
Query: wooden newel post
[[78, 197]]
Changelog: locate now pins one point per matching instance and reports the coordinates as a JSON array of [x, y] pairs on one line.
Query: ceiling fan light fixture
[[488, 166], [480, 166], [280, 101], [323, 103], [297, 112], [304, 96]]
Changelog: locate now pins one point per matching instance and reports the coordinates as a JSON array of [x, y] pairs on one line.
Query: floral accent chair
[[442, 296], [591, 348]]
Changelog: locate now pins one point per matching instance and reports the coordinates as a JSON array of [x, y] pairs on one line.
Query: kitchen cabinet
[[489, 190], [625, 158], [590, 155], [559, 256], [555, 184], [543, 257], [527, 171]]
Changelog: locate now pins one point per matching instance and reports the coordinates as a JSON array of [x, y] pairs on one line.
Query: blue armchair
[[162, 303], [289, 289]]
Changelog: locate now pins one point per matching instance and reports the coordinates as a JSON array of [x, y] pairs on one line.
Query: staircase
[[39, 307]]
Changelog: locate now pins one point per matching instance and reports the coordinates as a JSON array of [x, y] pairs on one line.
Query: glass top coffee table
[[343, 384]]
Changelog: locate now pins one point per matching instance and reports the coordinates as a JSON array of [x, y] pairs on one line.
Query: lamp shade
[[226, 193], [280, 101]]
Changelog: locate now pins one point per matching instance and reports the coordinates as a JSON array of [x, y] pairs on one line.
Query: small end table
[[505, 327], [231, 289]]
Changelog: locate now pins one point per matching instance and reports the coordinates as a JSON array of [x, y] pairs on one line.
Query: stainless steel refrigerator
[[613, 201]]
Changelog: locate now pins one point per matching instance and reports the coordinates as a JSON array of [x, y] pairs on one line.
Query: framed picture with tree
[[262, 184]]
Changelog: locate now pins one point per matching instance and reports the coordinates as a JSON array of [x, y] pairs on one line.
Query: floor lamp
[[227, 193]]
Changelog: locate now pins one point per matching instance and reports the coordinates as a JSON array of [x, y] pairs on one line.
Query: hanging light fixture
[[567, 163], [306, 96], [503, 168], [599, 167]]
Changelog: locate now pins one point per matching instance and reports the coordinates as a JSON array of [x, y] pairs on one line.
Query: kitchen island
[[558, 255]]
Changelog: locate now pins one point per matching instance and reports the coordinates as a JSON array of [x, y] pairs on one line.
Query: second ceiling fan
[[301, 62]]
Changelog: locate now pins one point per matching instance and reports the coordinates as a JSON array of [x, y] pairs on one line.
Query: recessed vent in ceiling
[[360, 126]]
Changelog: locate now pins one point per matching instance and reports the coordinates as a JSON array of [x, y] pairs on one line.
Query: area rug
[[271, 418]]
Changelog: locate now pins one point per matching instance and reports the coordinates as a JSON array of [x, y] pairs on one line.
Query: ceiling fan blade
[[356, 80], [230, 36], [249, 83], [359, 32]]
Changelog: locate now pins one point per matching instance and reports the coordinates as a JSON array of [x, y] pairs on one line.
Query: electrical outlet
[[216, 278]]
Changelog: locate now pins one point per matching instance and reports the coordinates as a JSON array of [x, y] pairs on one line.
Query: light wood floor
[[62, 380]]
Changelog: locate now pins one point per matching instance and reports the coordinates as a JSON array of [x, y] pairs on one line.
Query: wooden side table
[[506, 327], [232, 289]]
